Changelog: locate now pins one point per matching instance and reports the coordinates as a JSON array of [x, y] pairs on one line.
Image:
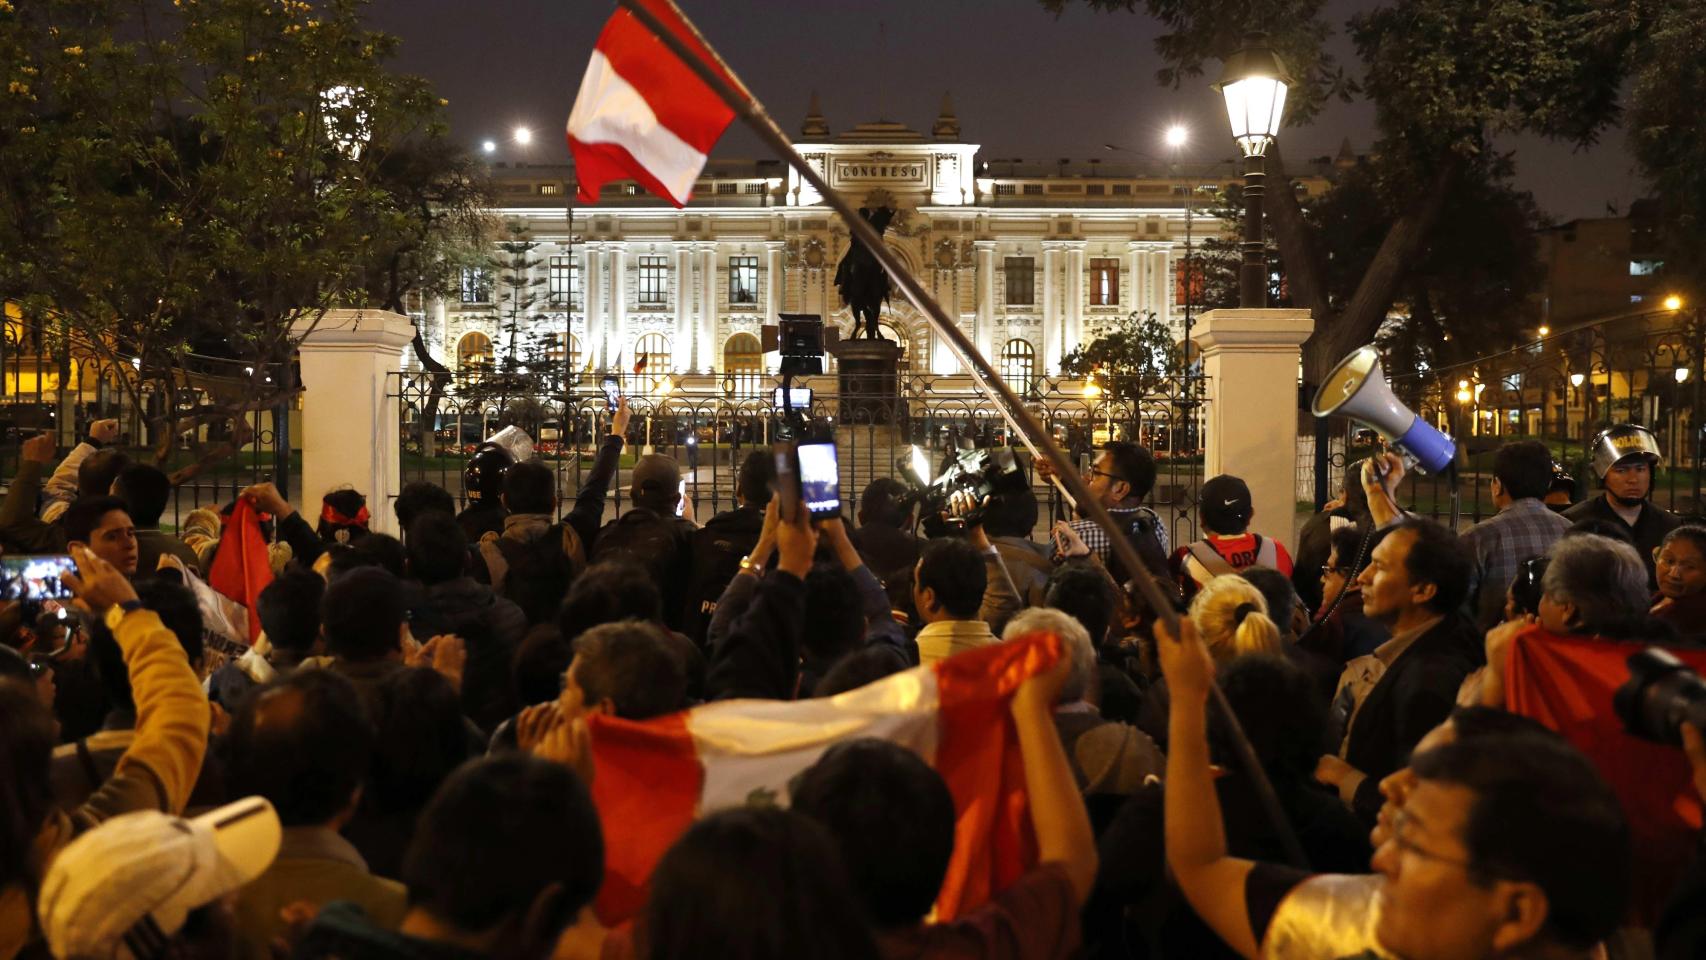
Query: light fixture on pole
[[523, 136], [1254, 86]]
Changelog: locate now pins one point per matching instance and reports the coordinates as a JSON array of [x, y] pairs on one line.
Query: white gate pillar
[[1250, 361], [349, 424]]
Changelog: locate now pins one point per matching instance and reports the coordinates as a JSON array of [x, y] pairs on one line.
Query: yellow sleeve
[[171, 719]]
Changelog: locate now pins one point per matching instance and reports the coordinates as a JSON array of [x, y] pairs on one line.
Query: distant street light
[[1681, 374], [1254, 86], [1673, 302], [1177, 135], [1545, 330], [523, 136], [1576, 379], [489, 146]]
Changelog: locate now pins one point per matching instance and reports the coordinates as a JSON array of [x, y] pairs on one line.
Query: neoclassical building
[[1031, 258]]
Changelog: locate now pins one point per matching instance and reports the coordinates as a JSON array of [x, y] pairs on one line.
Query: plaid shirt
[[1526, 528], [1097, 540]]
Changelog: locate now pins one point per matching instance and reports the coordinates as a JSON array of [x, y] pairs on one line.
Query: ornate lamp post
[[1254, 86]]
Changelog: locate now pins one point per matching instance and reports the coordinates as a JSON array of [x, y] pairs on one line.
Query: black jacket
[[491, 627], [886, 549], [1649, 529], [758, 653], [660, 545], [716, 551], [481, 518], [1416, 694]]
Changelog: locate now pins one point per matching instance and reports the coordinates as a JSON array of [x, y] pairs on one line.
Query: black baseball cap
[[1225, 504]]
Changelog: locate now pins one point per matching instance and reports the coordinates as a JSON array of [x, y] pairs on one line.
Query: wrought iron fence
[[47, 388], [711, 431], [1562, 390]]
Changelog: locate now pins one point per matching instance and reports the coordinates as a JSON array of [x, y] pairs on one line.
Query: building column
[[1074, 332], [706, 341], [350, 405], [1051, 309], [1163, 286], [1250, 362], [1134, 269], [619, 303], [772, 281], [597, 330], [986, 301], [683, 304]]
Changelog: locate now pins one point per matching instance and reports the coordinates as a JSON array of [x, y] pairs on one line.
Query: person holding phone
[[650, 534]]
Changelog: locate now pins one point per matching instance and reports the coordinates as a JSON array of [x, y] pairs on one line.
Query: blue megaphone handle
[[1433, 450]]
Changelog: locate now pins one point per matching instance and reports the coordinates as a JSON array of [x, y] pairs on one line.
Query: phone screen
[[681, 498], [612, 393], [35, 577], [820, 479]]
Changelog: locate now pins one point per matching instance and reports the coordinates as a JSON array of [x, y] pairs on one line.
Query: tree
[[1668, 139], [1130, 360], [208, 177], [1446, 77], [524, 366]]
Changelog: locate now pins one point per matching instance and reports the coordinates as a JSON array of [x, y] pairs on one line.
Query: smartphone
[[681, 498], [787, 479], [35, 577], [820, 479], [612, 392]]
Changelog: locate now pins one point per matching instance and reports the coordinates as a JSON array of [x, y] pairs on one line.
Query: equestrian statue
[[863, 283]]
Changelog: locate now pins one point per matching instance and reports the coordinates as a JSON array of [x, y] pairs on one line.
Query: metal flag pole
[[723, 82]]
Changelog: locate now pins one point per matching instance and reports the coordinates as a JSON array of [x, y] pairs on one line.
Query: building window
[[727, 188], [1104, 281], [1095, 189], [565, 278], [1006, 189], [1018, 364], [654, 279], [476, 285], [743, 280], [1644, 268], [654, 352], [743, 354], [550, 189], [473, 354], [1033, 189], [1021, 280], [1188, 281], [569, 362]]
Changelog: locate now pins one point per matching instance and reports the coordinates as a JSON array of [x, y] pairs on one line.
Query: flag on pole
[[642, 113], [653, 778]]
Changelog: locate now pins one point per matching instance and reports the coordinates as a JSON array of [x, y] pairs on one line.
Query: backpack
[[717, 549], [1144, 534], [533, 574], [655, 544]]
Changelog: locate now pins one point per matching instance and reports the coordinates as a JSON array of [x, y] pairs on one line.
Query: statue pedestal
[[869, 380]]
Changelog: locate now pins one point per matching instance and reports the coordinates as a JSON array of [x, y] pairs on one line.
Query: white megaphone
[[1357, 389]]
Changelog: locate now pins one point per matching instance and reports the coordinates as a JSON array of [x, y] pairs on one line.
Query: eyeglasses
[[1103, 473], [1336, 571]]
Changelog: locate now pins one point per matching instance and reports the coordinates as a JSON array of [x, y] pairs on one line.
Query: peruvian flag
[[652, 779], [642, 113]]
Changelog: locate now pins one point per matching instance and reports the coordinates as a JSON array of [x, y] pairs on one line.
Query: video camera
[[976, 473], [1661, 695]]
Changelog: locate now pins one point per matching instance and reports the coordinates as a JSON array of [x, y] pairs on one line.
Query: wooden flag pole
[[725, 85]]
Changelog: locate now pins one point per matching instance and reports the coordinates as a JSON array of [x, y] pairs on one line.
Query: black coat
[[1648, 532], [1416, 694]]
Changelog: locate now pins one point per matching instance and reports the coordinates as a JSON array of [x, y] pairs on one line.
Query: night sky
[[1024, 84]]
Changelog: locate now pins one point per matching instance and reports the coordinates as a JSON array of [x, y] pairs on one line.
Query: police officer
[[1625, 458], [483, 481]]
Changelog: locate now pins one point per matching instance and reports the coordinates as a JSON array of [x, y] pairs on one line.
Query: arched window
[[473, 354], [655, 350], [556, 357], [742, 353], [896, 334], [1018, 364]]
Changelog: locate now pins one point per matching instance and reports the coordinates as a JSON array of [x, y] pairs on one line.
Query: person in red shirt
[[1227, 546]]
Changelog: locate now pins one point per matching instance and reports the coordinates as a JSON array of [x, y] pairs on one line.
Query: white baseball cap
[[123, 889]]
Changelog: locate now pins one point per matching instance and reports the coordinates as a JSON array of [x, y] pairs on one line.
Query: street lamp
[[523, 136], [1545, 330], [1254, 85], [1176, 136], [488, 146], [1673, 302], [1681, 374]]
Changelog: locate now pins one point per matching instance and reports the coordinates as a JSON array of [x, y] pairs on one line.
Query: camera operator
[[1121, 478]]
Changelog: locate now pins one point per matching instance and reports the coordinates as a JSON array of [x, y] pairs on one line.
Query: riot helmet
[[483, 477], [1621, 442]]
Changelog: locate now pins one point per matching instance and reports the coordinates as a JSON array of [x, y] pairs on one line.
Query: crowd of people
[[397, 763]]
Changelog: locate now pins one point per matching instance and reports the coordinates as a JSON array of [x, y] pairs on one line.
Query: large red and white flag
[[652, 779], [642, 113]]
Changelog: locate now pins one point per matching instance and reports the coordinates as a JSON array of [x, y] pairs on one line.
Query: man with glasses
[[1506, 844], [1121, 477]]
